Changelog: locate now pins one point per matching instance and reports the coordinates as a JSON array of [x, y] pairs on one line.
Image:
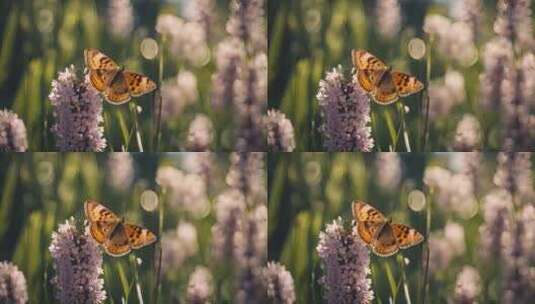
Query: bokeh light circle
[[149, 48], [416, 200], [417, 48], [149, 200]]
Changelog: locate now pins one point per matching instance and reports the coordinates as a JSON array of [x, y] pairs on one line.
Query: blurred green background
[[39, 191], [40, 38], [309, 38], [309, 190]]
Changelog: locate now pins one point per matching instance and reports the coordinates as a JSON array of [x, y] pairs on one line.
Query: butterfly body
[[377, 79], [378, 232], [112, 233], [116, 84]]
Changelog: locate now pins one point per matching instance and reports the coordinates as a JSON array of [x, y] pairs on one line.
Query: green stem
[[427, 232], [133, 110], [427, 101]]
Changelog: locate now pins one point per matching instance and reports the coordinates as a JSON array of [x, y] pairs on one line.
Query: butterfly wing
[[369, 220], [385, 93], [102, 69], [102, 221], [118, 244], [385, 243], [139, 84], [117, 93], [406, 236], [405, 84], [139, 236], [369, 69]]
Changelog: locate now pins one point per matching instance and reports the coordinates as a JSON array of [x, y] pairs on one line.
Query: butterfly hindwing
[[139, 236], [406, 236], [405, 84], [139, 84]]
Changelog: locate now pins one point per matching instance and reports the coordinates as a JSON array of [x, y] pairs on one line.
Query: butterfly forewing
[[405, 84], [139, 84], [139, 236], [369, 220], [101, 220], [406, 236], [96, 60]]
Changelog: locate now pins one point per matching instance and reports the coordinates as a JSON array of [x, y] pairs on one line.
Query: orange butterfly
[[384, 85], [112, 233], [384, 238], [117, 85]]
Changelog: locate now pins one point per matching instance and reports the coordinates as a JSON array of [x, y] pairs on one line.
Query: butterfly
[[117, 85], [384, 85], [112, 233], [378, 232]]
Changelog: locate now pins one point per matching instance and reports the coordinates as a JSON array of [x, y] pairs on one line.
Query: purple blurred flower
[[497, 208], [467, 134], [178, 93], [388, 15], [280, 132], [279, 283], [230, 54], [468, 286], [13, 288], [345, 109], [78, 113], [12, 133], [455, 39], [250, 254], [177, 246], [513, 22], [186, 192], [120, 18], [202, 12], [388, 166], [516, 111], [200, 134], [251, 96], [445, 245], [200, 163], [497, 56], [200, 286], [514, 174], [77, 262], [246, 174], [247, 23], [229, 209], [446, 93], [120, 170], [346, 265], [470, 12]]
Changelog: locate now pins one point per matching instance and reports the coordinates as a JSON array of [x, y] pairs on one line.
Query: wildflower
[[516, 108], [229, 209], [200, 134], [204, 13], [455, 40], [200, 286], [345, 110], [470, 12], [78, 113], [200, 163], [120, 18], [12, 284], [120, 170], [230, 54], [388, 14], [467, 134], [280, 132], [446, 94], [251, 90], [177, 94], [78, 265], [184, 191], [178, 245], [388, 166], [12, 133], [468, 286], [279, 283], [513, 22], [497, 208], [497, 55], [445, 245], [514, 174], [346, 265], [246, 174], [246, 22]]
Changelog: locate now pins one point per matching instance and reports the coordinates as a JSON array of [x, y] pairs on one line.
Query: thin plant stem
[[427, 231], [133, 260], [158, 286], [158, 97], [133, 110], [401, 260], [427, 101], [124, 129]]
